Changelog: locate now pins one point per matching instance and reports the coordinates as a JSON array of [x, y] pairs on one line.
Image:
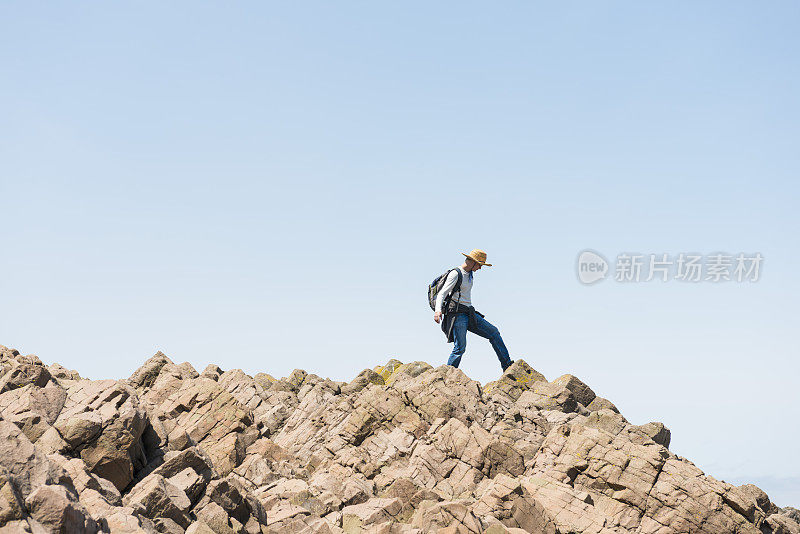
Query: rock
[[386, 370], [547, 396], [80, 429], [515, 380], [355, 517], [83, 480], [175, 465], [12, 506], [190, 482], [450, 514], [782, 524], [655, 431], [165, 525], [46, 402], [365, 378], [580, 391], [211, 372], [60, 372], [402, 448], [15, 527], [103, 421], [25, 465], [607, 420], [57, 510], [187, 370], [344, 482], [599, 403], [146, 375], [229, 495], [21, 373], [407, 370], [199, 527], [160, 498]]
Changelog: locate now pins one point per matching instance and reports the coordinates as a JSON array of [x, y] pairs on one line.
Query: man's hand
[[437, 316]]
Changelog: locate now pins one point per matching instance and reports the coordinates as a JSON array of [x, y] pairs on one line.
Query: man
[[460, 315]]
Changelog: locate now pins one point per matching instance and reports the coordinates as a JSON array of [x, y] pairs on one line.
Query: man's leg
[[486, 329], [460, 336]]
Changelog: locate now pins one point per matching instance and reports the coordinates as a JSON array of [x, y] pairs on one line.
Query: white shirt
[[450, 283]]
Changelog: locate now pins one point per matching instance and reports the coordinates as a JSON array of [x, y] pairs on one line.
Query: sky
[[270, 186]]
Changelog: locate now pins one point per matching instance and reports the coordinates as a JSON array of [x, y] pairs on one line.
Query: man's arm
[[447, 288]]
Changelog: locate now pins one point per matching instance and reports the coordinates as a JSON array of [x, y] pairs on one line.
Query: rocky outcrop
[[401, 448]]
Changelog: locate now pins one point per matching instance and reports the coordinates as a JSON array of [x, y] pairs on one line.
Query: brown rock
[[403, 448], [580, 391], [160, 498], [57, 510]]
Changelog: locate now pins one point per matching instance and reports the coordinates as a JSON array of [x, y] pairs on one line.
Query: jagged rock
[[83, 480], [448, 514], [229, 495], [355, 517], [12, 505], [165, 525], [789, 511], [57, 511], [24, 464], [656, 431], [599, 403], [514, 381], [176, 463], [407, 370], [607, 420], [443, 392], [580, 391], [18, 371], [386, 370], [160, 498], [365, 378], [187, 370], [402, 448], [145, 375], [547, 396], [211, 417], [46, 402], [781, 524], [60, 372]]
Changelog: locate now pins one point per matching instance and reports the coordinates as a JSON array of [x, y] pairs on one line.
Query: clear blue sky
[[270, 186]]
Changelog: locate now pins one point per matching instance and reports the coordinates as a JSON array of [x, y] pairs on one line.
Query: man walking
[[459, 314]]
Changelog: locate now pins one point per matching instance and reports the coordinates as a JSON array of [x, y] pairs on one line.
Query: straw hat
[[479, 256]]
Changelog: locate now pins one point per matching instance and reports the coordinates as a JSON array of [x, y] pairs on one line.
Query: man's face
[[473, 265]]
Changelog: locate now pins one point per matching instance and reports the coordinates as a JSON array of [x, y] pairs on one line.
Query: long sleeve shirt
[[464, 297]]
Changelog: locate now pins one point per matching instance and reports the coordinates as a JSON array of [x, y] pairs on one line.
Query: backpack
[[436, 286]]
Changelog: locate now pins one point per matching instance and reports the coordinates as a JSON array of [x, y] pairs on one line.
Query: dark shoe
[[507, 366]]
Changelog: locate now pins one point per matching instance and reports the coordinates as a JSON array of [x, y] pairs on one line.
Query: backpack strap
[[458, 283]]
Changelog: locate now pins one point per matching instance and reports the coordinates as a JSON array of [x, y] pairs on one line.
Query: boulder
[[103, 422], [160, 498], [547, 396], [376, 510], [515, 380], [58, 511], [580, 391]]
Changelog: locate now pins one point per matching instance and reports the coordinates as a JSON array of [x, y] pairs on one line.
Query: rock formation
[[401, 448]]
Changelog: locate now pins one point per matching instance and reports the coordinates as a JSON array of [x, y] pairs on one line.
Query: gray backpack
[[436, 286]]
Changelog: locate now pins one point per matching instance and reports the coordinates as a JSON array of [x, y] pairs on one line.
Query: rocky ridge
[[401, 448]]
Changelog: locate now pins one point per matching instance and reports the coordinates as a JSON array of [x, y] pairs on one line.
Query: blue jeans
[[484, 329]]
